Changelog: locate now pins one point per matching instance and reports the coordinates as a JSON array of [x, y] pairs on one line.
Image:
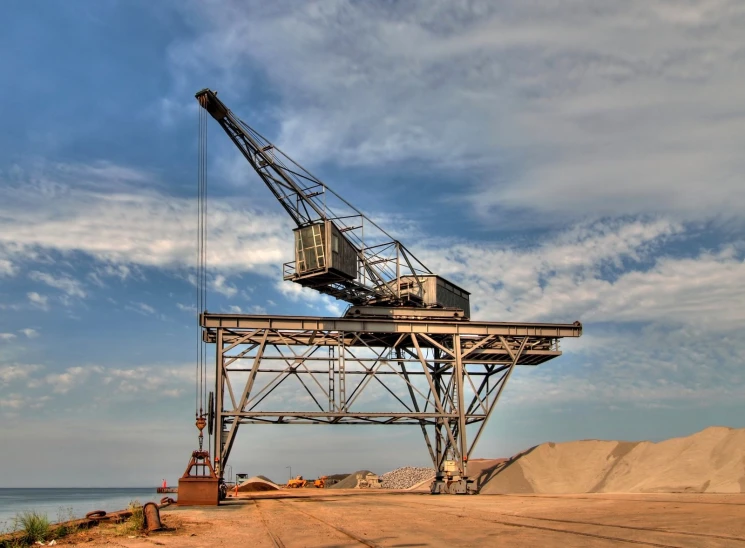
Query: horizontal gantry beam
[[212, 321], [482, 342], [345, 418]]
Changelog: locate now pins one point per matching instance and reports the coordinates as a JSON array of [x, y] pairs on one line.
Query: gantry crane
[[405, 324]]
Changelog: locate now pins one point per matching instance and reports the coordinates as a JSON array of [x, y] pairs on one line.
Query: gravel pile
[[350, 482], [403, 478]]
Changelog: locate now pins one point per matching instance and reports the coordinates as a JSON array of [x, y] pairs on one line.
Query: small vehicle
[[297, 482]]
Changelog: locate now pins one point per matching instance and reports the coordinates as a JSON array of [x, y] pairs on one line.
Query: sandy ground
[[321, 518]]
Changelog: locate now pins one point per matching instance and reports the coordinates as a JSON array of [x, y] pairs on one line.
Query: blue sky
[[565, 162]]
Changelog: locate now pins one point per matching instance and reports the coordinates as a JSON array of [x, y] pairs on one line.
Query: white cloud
[[124, 226], [165, 381], [253, 309], [72, 377], [141, 308], [621, 109], [120, 271], [312, 299], [336, 308], [7, 336], [603, 273], [7, 268], [16, 402], [297, 293], [106, 383], [71, 287], [10, 373], [37, 300], [221, 285]]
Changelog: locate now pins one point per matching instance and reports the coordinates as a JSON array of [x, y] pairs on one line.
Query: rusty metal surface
[[198, 492], [199, 466], [199, 486], [151, 512]]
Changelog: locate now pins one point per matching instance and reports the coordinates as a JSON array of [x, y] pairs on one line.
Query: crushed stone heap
[[351, 481], [405, 477]]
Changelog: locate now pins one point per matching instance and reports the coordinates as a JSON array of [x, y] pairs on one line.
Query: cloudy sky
[[563, 161]]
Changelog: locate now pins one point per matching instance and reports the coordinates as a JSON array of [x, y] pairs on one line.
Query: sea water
[[68, 503]]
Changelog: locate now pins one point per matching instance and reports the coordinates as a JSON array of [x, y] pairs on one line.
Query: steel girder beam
[[441, 375], [243, 322]]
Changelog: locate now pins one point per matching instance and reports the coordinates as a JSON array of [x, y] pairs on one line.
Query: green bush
[[136, 522], [33, 524], [138, 516]]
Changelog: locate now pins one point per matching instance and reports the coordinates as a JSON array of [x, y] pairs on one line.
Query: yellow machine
[[297, 482], [320, 483]]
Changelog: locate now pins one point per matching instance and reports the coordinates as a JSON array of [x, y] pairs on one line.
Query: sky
[[561, 160]]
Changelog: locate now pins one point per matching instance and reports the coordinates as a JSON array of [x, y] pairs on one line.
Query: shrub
[[33, 524], [136, 522]]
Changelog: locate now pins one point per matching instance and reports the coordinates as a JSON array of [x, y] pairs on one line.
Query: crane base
[[458, 487], [198, 492]]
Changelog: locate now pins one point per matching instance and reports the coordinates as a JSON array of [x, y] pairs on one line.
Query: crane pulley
[[339, 251]]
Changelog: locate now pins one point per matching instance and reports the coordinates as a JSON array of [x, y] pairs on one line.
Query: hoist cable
[[197, 372], [201, 267]]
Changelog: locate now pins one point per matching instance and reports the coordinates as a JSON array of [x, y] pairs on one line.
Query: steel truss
[[440, 374]]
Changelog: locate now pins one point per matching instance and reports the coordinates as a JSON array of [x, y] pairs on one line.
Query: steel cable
[[201, 267]]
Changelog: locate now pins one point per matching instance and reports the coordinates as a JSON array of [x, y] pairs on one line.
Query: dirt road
[[321, 518]]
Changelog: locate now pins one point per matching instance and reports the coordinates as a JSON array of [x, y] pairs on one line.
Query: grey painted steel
[[443, 375], [438, 292], [381, 325], [320, 249]]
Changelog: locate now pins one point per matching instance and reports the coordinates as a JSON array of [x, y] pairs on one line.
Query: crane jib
[[339, 251]]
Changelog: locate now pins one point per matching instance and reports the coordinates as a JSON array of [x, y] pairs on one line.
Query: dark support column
[[219, 392], [459, 379]]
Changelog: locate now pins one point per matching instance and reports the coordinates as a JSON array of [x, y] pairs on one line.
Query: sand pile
[[710, 461], [257, 483]]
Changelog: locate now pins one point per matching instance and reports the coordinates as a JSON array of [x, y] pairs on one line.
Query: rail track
[[274, 538], [461, 514], [278, 542]]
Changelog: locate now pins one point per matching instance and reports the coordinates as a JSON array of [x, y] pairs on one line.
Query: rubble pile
[[405, 477], [351, 481]]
